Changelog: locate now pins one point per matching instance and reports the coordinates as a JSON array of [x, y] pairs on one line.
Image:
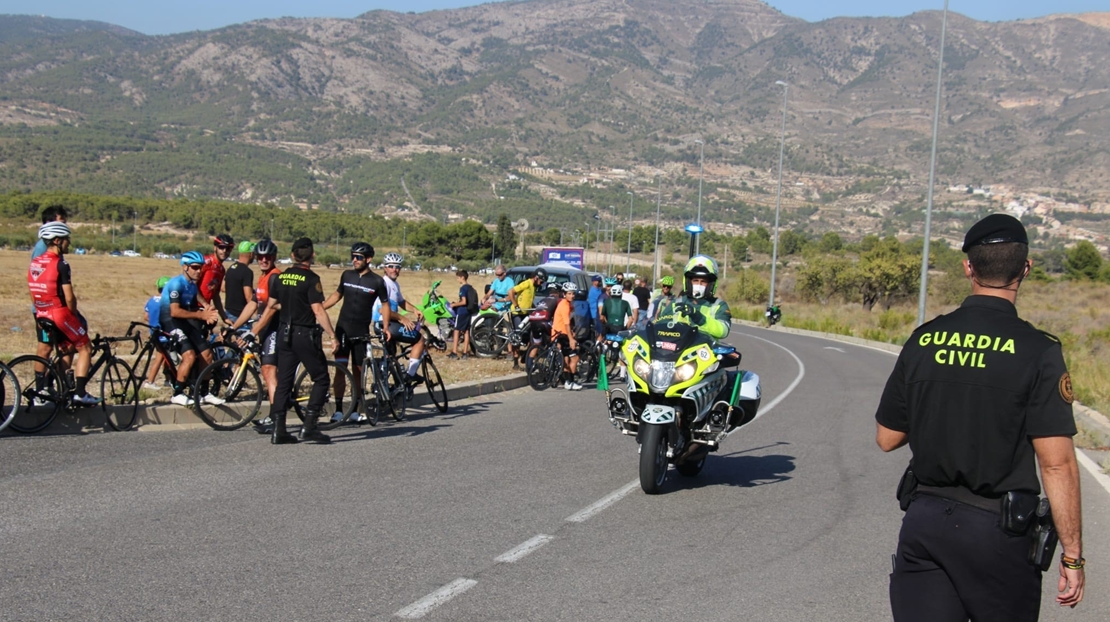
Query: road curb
[[1086, 418], [170, 417]]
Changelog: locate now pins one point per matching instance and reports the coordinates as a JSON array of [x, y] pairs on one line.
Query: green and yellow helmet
[[703, 266], [667, 281]]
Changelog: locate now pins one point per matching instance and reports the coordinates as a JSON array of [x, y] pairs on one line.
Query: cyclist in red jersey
[[212, 274], [50, 281]]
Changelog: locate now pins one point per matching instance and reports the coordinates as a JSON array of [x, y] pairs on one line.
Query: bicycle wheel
[[9, 396], [119, 394], [377, 389], [554, 365], [41, 399], [538, 377], [587, 366], [302, 389], [237, 385], [484, 338], [398, 392], [434, 383]]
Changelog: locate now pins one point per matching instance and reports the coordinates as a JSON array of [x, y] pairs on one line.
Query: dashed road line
[[518, 553], [584, 514], [420, 608]]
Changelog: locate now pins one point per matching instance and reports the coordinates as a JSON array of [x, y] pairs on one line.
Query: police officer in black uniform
[[358, 288], [299, 294], [977, 394]]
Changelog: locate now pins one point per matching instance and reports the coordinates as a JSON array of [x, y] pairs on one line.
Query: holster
[[906, 487], [318, 337], [286, 335], [1043, 545], [1018, 510]]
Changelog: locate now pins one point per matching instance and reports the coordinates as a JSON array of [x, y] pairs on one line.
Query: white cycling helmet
[[616, 291], [393, 259], [569, 286], [51, 230]]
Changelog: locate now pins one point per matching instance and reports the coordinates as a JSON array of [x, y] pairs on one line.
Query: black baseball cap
[[301, 243], [995, 229]]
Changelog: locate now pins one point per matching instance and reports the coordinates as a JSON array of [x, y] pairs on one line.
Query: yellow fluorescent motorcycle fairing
[[681, 400]]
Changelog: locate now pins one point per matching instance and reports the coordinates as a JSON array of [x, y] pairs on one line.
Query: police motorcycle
[[681, 399], [773, 315]]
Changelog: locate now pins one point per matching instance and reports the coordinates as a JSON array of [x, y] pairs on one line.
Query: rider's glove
[[697, 318], [684, 308]]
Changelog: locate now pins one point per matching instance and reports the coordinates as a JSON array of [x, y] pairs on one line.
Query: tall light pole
[[778, 195], [628, 251], [611, 230], [134, 231], [924, 293], [701, 176], [658, 205]]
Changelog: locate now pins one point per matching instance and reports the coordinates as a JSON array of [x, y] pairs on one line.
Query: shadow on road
[[417, 423], [738, 470]]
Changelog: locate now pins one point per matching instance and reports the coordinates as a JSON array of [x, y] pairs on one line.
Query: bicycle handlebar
[[134, 339]]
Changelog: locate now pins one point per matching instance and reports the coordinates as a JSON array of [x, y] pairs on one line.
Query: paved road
[[793, 520]]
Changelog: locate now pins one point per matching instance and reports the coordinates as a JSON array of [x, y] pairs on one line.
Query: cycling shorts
[[403, 335], [564, 345], [71, 327], [268, 339], [189, 335], [343, 332]]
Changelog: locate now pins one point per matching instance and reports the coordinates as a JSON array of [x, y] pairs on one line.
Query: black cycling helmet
[[265, 246], [540, 272], [362, 248], [223, 240]]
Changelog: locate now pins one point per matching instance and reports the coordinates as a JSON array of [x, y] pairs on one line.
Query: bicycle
[[158, 343], [43, 398], [236, 380], [547, 367], [302, 389], [9, 390], [388, 370], [433, 382]]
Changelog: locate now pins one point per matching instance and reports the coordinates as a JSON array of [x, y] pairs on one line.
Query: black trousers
[[955, 563], [305, 350]]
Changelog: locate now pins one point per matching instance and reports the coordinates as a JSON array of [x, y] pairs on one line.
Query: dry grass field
[[1077, 313], [111, 292]]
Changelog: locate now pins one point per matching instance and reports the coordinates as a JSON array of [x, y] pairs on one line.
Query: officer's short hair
[[998, 264], [303, 253]]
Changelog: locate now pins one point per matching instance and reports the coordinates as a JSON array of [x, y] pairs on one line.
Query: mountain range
[[313, 110]]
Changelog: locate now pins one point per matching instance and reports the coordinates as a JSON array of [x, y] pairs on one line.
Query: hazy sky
[[170, 16]]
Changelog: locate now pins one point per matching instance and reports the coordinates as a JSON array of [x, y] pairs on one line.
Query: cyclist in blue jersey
[[181, 316], [153, 311]]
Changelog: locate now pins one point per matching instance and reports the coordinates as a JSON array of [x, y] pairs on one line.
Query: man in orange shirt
[[562, 333]]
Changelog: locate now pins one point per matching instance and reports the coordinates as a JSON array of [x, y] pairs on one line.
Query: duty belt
[[962, 495]]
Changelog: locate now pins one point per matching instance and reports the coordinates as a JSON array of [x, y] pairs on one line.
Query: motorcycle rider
[[698, 303], [665, 297]]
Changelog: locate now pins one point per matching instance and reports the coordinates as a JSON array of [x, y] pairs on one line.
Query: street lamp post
[[628, 251], [134, 231], [778, 195], [658, 205], [612, 228], [701, 176], [924, 293]]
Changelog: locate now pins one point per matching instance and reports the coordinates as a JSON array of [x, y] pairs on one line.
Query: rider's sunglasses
[[195, 266], [265, 257], [357, 257], [390, 267], [221, 247]]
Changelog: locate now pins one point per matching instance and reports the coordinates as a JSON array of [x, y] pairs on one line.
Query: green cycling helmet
[[667, 280], [162, 282], [245, 247]]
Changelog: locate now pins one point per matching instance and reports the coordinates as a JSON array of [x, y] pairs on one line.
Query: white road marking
[[793, 385], [840, 350], [1094, 469], [420, 608], [603, 503], [523, 549]]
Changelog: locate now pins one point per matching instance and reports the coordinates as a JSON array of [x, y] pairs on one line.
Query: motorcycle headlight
[[684, 372], [641, 368], [661, 376]]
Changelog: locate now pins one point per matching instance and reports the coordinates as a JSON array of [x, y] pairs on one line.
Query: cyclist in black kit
[[359, 288]]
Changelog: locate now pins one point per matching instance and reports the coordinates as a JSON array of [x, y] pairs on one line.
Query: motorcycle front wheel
[[653, 458]]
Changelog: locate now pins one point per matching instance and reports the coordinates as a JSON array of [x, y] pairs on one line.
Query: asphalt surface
[[794, 519]]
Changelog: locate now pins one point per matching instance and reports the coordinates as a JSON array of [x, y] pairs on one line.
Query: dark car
[[557, 274]]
